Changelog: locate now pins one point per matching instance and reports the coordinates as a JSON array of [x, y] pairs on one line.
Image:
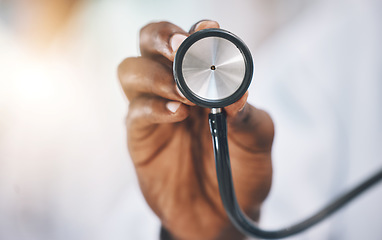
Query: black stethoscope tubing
[[218, 127]]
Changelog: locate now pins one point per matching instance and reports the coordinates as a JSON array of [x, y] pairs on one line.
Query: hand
[[171, 146]]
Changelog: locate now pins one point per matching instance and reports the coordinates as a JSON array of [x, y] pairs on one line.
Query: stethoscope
[[213, 68]]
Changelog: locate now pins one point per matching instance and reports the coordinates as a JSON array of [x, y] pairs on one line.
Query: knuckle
[[147, 28], [164, 24], [152, 36], [124, 65], [152, 29], [129, 76], [139, 108], [125, 68]]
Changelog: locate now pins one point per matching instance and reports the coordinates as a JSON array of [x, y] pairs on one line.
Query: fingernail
[[173, 106], [207, 24], [198, 24], [176, 40]]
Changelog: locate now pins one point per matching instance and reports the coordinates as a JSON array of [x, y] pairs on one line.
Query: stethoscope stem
[[216, 110]]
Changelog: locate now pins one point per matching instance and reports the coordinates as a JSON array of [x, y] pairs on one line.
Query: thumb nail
[[173, 106], [176, 40]]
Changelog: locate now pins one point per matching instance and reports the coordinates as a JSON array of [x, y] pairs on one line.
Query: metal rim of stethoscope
[[179, 75]]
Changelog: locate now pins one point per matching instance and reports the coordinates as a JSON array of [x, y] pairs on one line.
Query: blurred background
[[65, 172]]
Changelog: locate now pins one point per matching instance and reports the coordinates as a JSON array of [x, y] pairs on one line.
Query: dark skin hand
[[171, 147]]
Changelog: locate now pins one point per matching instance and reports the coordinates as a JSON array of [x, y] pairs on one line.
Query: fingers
[[254, 121], [149, 110], [237, 106], [203, 24], [155, 39], [144, 76], [162, 39], [177, 39], [244, 119]]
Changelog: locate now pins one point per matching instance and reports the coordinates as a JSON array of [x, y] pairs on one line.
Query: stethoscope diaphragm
[[213, 68]]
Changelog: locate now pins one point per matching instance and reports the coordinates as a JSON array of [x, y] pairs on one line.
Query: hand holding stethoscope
[[173, 152]]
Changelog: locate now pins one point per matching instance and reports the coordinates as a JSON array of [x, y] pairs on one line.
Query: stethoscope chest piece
[[213, 68]]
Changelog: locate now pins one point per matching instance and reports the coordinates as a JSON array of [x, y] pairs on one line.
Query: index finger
[[162, 39], [203, 24], [155, 39]]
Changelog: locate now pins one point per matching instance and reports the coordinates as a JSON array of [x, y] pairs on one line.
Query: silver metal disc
[[213, 68]]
